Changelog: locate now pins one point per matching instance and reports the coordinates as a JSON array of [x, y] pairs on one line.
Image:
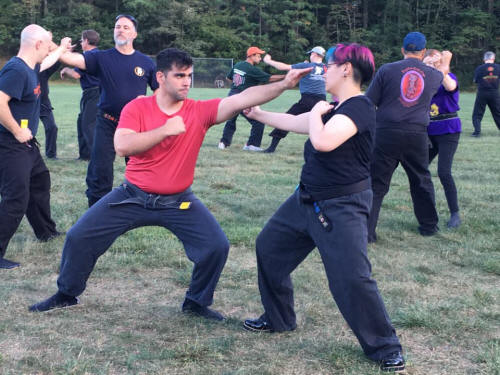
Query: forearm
[[284, 121], [131, 143], [449, 83], [276, 77], [278, 65], [52, 58], [70, 72], [73, 59]]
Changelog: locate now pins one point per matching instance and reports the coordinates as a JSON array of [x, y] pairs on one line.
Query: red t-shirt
[[168, 167]]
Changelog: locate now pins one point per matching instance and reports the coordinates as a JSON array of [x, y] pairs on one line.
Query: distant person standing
[[312, 88], [486, 77], [24, 177], [402, 91], [46, 114], [90, 97], [243, 75], [124, 74], [445, 128]]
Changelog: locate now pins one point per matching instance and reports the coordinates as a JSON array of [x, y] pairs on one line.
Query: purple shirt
[[445, 102]]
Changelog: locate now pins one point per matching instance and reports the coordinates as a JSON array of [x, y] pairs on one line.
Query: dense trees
[[225, 28]]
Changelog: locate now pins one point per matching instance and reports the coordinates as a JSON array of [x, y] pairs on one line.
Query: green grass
[[441, 292]]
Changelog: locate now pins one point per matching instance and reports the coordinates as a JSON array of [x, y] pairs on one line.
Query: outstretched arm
[[231, 105], [276, 64], [73, 59], [284, 121]]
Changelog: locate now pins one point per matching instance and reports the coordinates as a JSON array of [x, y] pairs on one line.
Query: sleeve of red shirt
[[130, 116], [207, 111]]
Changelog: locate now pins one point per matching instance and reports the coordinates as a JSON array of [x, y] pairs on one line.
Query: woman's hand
[[321, 108], [252, 112]]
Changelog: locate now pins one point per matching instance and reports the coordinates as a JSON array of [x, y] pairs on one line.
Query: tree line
[[285, 28]]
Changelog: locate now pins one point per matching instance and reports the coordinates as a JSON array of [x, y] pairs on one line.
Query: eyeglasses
[[128, 16]]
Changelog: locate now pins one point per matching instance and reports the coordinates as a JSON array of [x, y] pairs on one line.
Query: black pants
[[24, 189], [411, 149], [492, 100], [86, 121], [256, 132], [305, 104], [50, 126], [292, 233], [127, 207], [100, 170], [445, 146]]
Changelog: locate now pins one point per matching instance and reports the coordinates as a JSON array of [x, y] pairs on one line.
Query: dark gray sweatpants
[[292, 233]]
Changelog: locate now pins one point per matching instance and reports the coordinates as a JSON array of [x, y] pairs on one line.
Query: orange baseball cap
[[253, 50]]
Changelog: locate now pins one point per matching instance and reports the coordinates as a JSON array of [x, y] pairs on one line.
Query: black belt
[[444, 116], [334, 191]]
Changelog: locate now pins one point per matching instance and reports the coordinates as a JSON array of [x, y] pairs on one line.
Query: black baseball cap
[[128, 16]]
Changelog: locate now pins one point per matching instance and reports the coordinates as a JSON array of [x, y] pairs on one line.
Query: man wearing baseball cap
[[243, 75], [312, 88], [402, 91]]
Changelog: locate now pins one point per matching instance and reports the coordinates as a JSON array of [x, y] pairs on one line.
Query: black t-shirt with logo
[[402, 91], [486, 77], [21, 83], [122, 77], [348, 163]]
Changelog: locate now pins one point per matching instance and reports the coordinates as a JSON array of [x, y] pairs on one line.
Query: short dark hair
[[129, 17], [92, 37], [173, 56]]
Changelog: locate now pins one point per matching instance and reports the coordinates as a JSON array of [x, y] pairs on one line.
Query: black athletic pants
[[483, 98], [86, 121], [411, 149], [50, 126], [444, 146], [305, 104], [292, 233], [24, 189]]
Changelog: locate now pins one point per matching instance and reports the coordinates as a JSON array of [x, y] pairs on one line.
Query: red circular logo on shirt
[[412, 86]]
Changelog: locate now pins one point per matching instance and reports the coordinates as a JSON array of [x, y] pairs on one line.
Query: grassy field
[[442, 293]]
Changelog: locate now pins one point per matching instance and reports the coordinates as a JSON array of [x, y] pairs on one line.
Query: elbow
[[120, 150], [322, 146]]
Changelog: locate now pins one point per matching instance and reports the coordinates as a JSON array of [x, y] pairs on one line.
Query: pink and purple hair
[[360, 57]]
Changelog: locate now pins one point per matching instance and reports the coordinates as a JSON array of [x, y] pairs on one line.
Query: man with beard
[[124, 74]]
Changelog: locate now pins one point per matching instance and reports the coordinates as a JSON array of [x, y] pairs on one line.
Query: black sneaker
[[394, 362], [191, 307], [57, 301], [50, 236], [257, 325], [8, 264], [475, 134]]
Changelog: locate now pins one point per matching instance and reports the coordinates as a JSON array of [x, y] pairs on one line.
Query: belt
[[150, 200], [334, 191], [109, 117], [444, 116]]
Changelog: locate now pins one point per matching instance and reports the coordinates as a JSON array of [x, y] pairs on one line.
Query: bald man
[[24, 178]]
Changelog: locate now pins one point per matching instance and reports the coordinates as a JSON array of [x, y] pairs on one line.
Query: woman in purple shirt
[[444, 128]]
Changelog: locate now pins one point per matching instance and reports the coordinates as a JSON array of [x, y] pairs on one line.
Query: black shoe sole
[[57, 307], [251, 329]]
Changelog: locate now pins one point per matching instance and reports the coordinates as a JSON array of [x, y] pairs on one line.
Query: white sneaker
[[221, 146], [252, 148]]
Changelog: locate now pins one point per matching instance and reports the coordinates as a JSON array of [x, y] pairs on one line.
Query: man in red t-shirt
[[162, 135]]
